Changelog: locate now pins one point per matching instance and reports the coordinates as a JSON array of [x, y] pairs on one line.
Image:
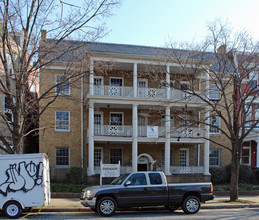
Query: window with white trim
[[62, 85], [98, 156], [214, 158], [214, 124], [116, 81], [115, 155], [214, 92], [185, 121], [116, 119], [184, 157], [62, 121], [142, 83], [62, 157], [246, 153], [253, 80]]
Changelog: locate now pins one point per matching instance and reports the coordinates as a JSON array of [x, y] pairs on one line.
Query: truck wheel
[[106, 206], [12, 209], [171, 208], [191, 205]]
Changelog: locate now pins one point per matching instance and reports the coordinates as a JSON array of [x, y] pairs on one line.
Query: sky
[[155, 22]]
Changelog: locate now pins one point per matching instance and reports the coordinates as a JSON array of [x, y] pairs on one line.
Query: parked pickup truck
[[145, 189]]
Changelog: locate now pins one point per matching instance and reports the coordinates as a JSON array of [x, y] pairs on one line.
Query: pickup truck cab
[[145, 189]]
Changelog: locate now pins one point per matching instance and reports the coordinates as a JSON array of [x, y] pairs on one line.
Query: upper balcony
[[144, 93]]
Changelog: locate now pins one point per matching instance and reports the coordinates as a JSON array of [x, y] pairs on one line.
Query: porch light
[[178, 139]]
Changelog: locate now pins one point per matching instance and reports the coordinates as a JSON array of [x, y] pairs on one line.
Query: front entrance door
[[142, 167]]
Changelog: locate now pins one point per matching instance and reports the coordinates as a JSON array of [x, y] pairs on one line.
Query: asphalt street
[[229, 214]]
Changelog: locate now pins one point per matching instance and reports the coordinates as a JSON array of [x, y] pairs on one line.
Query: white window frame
[[187, 156], [214, 92], [116, 78], [61, 92], [62, 130], [187, 83], [98, 148], [62, 166], [120, 127], [116, 148], [187, 121], [253, 76], [218, 150], [99, 77], [98, 130], [248, 147], [143, 80], [219, 126]]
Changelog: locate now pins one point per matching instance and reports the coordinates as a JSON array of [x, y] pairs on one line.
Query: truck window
[[138, 179], [155, 178], [119, 179]]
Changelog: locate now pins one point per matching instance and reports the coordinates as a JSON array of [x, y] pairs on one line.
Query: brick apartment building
[[131, 108]]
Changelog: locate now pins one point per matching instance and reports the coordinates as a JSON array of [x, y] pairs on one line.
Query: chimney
[[43, 34], [222, 49]]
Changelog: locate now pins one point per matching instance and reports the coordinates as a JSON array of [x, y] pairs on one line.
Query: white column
[[257, 153], [91, 78], [135, 80], [168, 82], [135, 138], [91, 140], [207, 143], [167, 141]]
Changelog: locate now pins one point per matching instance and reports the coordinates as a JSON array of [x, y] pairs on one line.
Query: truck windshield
[[119, 179]]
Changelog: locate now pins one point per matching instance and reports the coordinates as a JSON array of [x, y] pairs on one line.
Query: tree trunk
[[235, 171]]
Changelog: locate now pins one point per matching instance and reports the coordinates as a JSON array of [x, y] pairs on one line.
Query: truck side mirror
[[128, 182]]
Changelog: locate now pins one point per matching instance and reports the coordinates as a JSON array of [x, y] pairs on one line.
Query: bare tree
[[220, 67], [24, 51]]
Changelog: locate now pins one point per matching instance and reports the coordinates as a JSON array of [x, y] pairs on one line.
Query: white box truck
[[24, 183]]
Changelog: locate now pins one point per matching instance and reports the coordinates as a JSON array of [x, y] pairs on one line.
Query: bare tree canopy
[[23, 52], [223, 65]]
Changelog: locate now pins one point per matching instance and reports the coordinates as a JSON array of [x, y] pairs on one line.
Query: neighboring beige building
[[128, 114]]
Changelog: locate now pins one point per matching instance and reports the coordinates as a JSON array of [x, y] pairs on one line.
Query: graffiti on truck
[[22, 177]]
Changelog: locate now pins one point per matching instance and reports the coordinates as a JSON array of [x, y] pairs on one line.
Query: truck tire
[[191, 205], [171, 208], [12, 209], [106, 206]]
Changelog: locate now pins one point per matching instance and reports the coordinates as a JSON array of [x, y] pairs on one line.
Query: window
[[171, 157], [98, 156], [62, 157], [246, 153], [116, 119], [62, 121], [184, 157], [164, 85], [116, 82], [215, 124], [115, 156], [214, 158], [142, 83], [253, 80], [214, 93], [185, 86], [115, 86], [7, 109], [155, 178], [185, 121], [138, 179], [171, 121], [98, 86], [10, 65], [62, 85]]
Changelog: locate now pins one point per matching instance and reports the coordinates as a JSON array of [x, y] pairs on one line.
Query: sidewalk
[[220, 202]]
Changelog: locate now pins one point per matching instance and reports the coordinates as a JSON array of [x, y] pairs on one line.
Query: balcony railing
[[147, 93], [147, 131], [173, 169]]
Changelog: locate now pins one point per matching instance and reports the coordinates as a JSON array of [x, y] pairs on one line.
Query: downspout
[[82, 122]]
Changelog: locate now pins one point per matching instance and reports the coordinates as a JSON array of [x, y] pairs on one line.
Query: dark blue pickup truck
[[146, 189]]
